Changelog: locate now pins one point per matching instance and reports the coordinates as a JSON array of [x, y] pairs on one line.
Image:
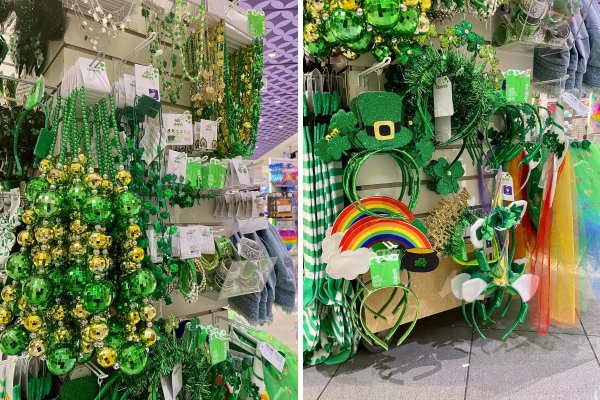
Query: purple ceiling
[[281, 73]]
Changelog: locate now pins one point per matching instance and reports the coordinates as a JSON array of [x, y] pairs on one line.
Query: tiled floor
[[445, 359]]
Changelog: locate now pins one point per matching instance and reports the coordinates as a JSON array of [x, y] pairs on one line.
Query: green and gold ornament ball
[[68, 274], [356, 27]]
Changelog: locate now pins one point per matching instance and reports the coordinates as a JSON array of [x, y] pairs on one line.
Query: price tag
[[385, 270], [518, 86], [576, 104], [507, 187], [177, 164], [190, 242], [129, 83], [93, 78], [179, 129], [488, 246], [271, 355], [257, 24], [147, 81], [207, 243]]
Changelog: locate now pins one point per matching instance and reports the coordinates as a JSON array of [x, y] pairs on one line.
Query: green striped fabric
[[328, 335]]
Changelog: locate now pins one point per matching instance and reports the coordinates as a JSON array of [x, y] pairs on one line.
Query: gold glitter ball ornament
[[6, 315], [28, 217], [76, 170], [43, 331], [45, 165], [123, 178], [132, 337], [107, 356], [76, 250], [349, 5], [129, 266], [33, 322], [63, 334], [98, 330], [25, 238], [77, 226], [59, 253], [425, 5], [93, 180], [133, 317], [97, 264], [147, 312], [136, 254], [56, 177], [97, 240], [423, 24], [379, 40], [133, 231], [42, 259], [23, 304], [37, 347], [79, 312], [107, 186], [311, 32], [148, 335], [60, 231], [86, 347], [43, 234], [10, 293], [58, 312], [82, 158], [411, 3]]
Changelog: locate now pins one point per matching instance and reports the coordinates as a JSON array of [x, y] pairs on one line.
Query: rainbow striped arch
[[380, 230], [377, 204]]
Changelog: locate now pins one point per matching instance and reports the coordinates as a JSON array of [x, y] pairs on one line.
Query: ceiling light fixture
[[281, 126], [277, 101], [273, 54]]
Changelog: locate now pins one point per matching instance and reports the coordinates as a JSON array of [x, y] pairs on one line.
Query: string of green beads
[[111, 170], [99, 148], [115, 128], [55, 118]]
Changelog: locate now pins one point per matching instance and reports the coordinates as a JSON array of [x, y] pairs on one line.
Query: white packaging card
[[246, 225], [147, 81], [442, 97], [22, 92], [261, 223], [205, 134], [179, 129], [576, 104], [241, 170], [271, 355], [443, 128], [150, 142], [93, 78], [175, 249], [189, 242], [219, 201], [207, 242], [225, 208], [507, 187], [129, 83], [177, 164], [232, 206], [241, 206]]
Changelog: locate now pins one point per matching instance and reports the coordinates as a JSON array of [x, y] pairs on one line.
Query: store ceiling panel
[[281, 72]]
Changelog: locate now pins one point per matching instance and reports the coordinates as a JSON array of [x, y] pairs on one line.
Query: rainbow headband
[[377, 204], [380, 230]]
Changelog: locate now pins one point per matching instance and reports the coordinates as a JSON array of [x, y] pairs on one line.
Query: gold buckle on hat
[[378, 125]]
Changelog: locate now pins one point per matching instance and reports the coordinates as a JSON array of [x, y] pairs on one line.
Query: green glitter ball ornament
[[132, 358], [19, 266], [48, 204], [407, 23], [326, 33], [347, 26], [37, 290], [76, 196], [143, 282], [78, 276], [128, 203], [86, 357], [382, 14], [57, 276], [98, 296], [115, 326], [14, 340], [318, 49], [363, 44], [61, 359], [114, 340], [381, 51], [97, 209], [35, 187]]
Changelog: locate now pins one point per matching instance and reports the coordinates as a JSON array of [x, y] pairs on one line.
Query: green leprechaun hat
[[381, 118]]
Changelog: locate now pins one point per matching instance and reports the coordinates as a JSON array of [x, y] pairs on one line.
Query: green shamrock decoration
[[462, 30], [344, 122], [474, 41], [421, 262], [322, 150], [444, 177], [496, 78], [488, 53], [338, 145], [423, 151], [450, 38], [503, 217], [486, 231]]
